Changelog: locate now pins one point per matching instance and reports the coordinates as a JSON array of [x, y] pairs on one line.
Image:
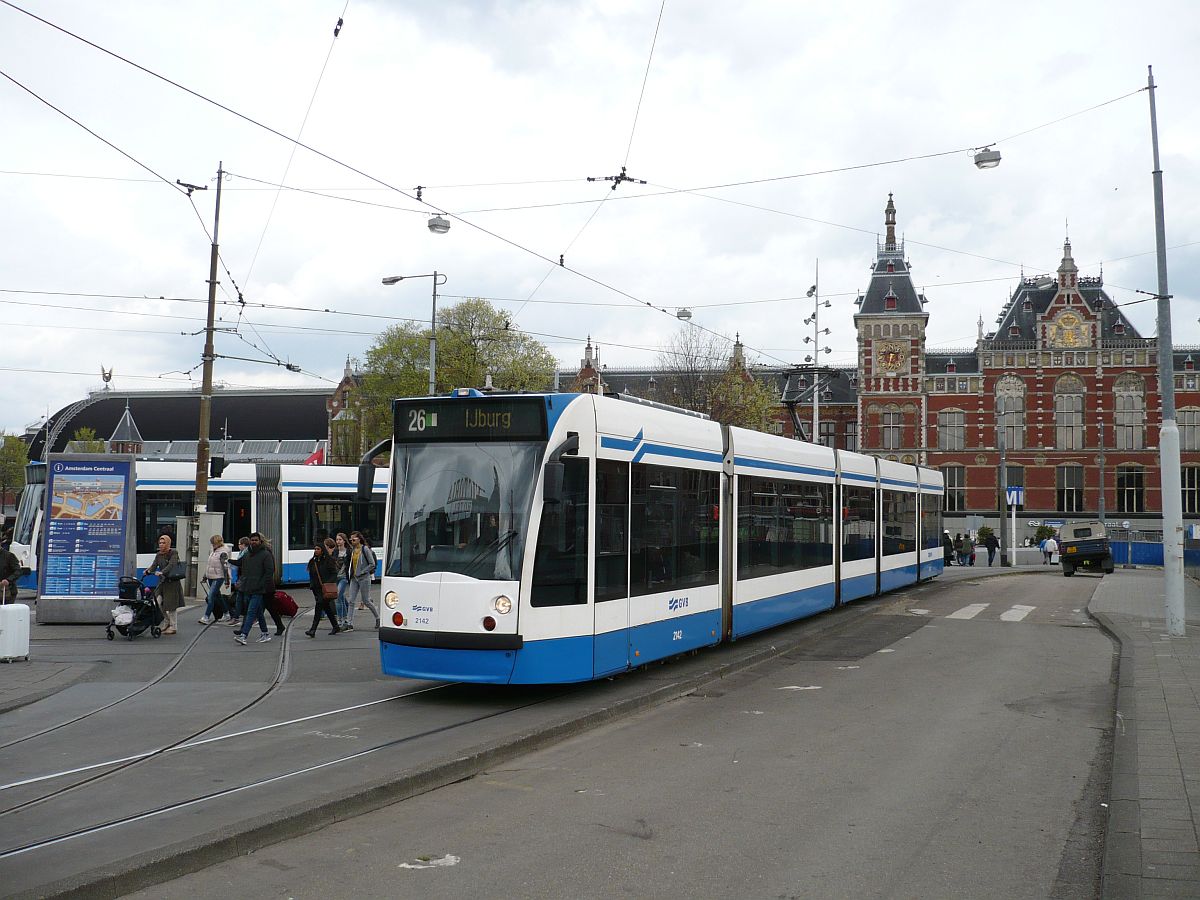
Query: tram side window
[[931, 522], [783, 526], [858, 523], [236, 507], [318, 516], [899, 515], [674, 526], [156, 514], [560, 563], [612, 530]]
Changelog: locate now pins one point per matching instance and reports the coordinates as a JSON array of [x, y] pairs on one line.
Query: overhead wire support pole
[[206, 388], [1168, 437], [816, 349]]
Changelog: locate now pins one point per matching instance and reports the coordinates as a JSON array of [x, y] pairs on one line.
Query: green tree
[[474, 340], [702, 374], [738, 399], [85, 441], [13, 457]]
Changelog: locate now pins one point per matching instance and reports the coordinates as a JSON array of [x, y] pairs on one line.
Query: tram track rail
[[282, 669]]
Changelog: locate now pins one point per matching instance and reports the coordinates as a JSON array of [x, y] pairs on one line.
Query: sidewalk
[[1151, 846]]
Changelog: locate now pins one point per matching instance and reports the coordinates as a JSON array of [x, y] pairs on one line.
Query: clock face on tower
[[891, 356]]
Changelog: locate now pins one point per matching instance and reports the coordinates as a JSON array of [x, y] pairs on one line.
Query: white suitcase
[[14, 632]]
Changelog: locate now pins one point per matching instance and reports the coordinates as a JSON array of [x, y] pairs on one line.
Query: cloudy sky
[[769, 133]]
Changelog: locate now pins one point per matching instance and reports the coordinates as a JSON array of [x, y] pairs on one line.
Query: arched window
[[952, 429], [1130, 405], [1010, 411], [1189, 428], [1068, 413], [1131, 489]]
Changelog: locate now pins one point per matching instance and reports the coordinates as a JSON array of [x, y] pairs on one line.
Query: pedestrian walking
[[947, 548], [969, 549], [958, 549], [992, 546], [360, 571], [322, 578], [217, 575], [1051, 550], [256, 574], [238, 601], [341, 557], [166, 566], [1045, 553]]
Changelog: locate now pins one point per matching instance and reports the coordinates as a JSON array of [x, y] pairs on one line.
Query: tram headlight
[[391, 599], [502, 605]]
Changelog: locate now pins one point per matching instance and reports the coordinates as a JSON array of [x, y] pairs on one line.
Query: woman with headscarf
[[169, 591]]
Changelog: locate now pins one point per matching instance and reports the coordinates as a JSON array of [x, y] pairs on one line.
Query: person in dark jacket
[[170, 592], [256, 575], [322, 570], [947, 548], [992, 544], [10, 571]]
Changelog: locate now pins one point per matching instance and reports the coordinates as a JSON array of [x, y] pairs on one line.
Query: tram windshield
[[462, 507]]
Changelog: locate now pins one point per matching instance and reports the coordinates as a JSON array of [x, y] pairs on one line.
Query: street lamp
[[438, 225], [438, 278], [987, 158]]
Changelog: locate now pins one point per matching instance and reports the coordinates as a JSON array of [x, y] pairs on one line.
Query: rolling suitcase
[[14, 632]]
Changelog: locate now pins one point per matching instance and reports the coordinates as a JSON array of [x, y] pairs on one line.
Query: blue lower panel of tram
[[858, 587], [890, 579], [771, 611]]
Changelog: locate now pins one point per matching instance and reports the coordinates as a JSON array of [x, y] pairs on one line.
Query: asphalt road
[[952, 744]]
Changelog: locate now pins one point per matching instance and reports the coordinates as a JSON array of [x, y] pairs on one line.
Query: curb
[[1120, 871], [201, 851]]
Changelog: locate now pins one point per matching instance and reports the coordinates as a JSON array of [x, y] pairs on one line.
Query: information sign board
[[87, 537], [1016, 496]]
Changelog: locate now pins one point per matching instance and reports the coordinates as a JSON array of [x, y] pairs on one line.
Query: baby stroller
[[137, 611]]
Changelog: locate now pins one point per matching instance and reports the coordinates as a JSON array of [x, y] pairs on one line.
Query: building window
[[1069, 488], [1016, 478], [1130, 412], [952, 429], [891, 430], [1191, 489], [1010, 412], [963, 387], [956, 488], [939, 384], [826, 434], [1189, 428], [1131, 489], [852, 437], [1068, 413]]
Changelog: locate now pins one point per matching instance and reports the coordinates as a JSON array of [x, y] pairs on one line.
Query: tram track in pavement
[[10, 852], [282, 669]]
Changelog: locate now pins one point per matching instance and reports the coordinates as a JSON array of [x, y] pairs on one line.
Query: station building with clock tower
[[1065, 383]]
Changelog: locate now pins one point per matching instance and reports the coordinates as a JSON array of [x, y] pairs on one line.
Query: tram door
[[611, 646]]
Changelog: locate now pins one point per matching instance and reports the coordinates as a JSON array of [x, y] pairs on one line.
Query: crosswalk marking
[[968, 612], [1017, 613]]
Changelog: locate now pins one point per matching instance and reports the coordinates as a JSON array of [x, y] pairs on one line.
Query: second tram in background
[[293, 505], [567, 537]]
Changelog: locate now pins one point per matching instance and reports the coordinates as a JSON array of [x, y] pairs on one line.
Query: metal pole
[[1003, 494], [206, 388], [1168, 438], [433, 340], [816, 435]]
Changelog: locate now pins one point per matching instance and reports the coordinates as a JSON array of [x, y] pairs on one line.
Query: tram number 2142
[[418, 419]]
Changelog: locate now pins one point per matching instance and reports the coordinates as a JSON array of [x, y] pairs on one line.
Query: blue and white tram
[[565, 537], [293, 505]]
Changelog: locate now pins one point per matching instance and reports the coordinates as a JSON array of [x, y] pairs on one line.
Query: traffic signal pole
[[206, 388]]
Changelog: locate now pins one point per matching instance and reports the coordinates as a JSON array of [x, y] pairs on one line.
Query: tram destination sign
[[470, 419]]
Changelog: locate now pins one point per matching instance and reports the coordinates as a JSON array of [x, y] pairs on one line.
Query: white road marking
[[968, 612], [843, 668], [886, 650], [797, 687], [1017, 613], [919, 612]]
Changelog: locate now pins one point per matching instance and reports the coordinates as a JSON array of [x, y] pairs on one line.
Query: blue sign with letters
[[89, 512], [1016, 496]]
